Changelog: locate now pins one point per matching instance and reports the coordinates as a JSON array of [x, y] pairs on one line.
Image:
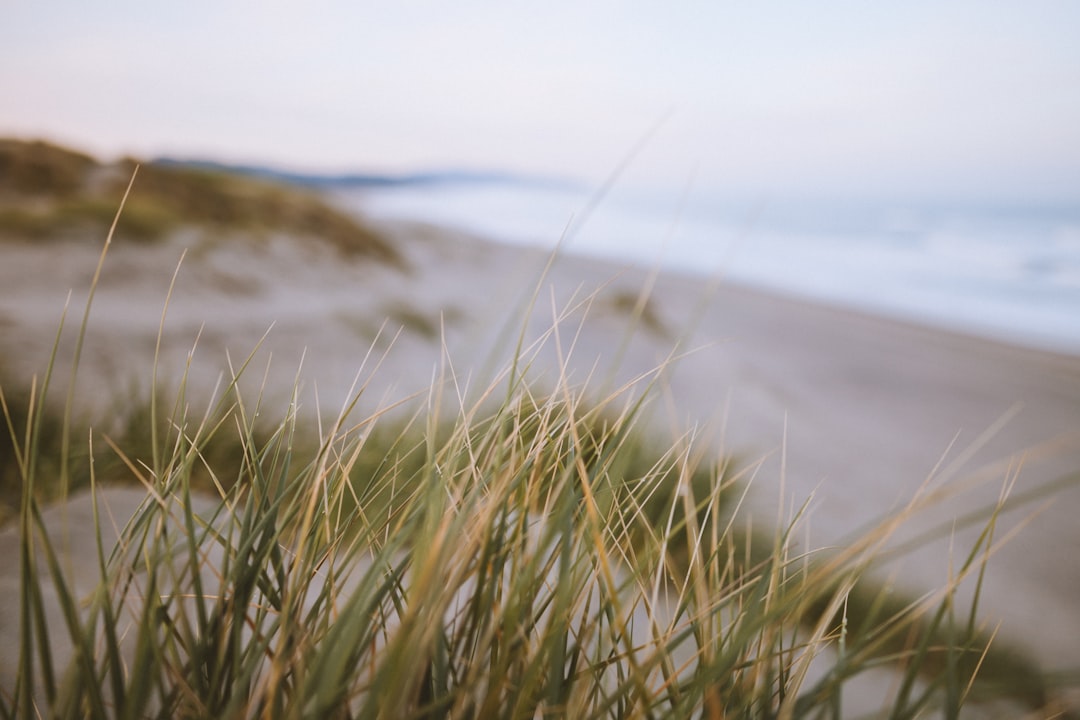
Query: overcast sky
[[973, 100]]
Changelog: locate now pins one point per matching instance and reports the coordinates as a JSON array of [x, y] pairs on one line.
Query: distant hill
[[329, 181]]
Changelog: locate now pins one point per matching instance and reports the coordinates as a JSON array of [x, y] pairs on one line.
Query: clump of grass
[[513, 563], [641, 309], [417, 322], [533, 556], [145, 220], [131, 426]]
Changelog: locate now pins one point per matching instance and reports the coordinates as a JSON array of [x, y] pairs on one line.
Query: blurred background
[[917, 159]]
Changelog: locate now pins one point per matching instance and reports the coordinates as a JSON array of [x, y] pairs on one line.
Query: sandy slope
[[854, 410]]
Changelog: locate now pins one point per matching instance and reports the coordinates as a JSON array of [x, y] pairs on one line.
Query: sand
[[854, 412]]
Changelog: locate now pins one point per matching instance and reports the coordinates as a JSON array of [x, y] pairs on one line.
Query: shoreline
[[1067, 352], [1005, 294]]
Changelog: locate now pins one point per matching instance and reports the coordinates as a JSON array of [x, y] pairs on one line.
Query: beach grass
[[49, 192], [525, 561], [523, 551]]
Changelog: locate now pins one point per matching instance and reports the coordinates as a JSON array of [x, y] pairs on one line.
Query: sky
[[974, 101]]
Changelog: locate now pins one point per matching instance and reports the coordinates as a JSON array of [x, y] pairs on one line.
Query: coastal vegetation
[[541, 557], [49, 193], [519, 551]]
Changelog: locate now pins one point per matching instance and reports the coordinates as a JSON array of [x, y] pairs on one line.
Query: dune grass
[[36, 168], [521, 553], [49, 192]]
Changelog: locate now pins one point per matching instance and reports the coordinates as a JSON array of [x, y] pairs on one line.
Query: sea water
[[1001, 271]]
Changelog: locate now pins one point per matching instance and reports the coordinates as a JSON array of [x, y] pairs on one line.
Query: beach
[[853, 414]]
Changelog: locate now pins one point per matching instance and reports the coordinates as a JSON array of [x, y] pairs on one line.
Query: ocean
[[1005, 272]]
